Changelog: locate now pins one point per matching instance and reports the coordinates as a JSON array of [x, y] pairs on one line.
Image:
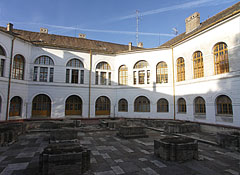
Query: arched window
[[141, 73], [43, 69], [182, 108], [198, 65], [224, 105], [75, 69], [200, 107], [123, 75], [73, 105], [141, 104], [18, 67], [162, 105], [103, 74], [162, 73], [220, 52], [2, 60], [180, 69], [102, 106], [15, 106], [123, 105], [41, 106]]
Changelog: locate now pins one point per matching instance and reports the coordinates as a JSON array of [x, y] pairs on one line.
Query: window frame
[[228, 105], [221, 65], [123, 75], [123, 105], [161, 72], [142, 104], [74, 71], [198, 65], [199, 106], [161, 107], [141, 73], [182, 107], [103, 68], [18, 67], [180, 69]]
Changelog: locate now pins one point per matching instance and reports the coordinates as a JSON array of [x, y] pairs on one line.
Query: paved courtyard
[[111, 155]]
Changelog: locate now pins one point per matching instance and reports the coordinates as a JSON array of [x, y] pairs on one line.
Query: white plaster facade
[[209, 87]]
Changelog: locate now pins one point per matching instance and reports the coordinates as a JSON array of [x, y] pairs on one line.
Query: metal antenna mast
[[137, 19]]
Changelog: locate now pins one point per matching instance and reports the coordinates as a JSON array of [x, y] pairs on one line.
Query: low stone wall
[[63, 135], [131, 132], [64, 158], [230, 140], [176, 148], [181, 127]]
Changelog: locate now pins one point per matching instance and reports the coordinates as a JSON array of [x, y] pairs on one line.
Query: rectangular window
[[96, 78], [148, 77], [67, 75], [82, 77], [35, 73], [109, 78], [43, 74], [74, 76], [134, 78], [141, 76], [103, 80], [51, 74], [1, 67]]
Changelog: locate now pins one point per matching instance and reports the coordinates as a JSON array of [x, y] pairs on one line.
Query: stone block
[[176, 148], [132, 132]]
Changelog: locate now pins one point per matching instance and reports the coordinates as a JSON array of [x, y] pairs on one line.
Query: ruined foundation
[[64, 158], [128, 132], [176, 148]]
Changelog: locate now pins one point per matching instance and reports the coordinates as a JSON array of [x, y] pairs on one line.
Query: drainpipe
[[89, 86], [9, 78], [174, 105]]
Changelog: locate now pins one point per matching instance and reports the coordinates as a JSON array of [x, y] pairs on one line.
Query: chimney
[[10, 27], [43, 30], [140, 44], [192, 22], [130, 46], [81, 35]]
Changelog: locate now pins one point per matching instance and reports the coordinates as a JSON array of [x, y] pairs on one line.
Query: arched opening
[[224, 105], [198, 68], [123, 105], [180, 69], [182, 107], [15, 106], [41, 106], [141, 73], [103, 74], [123, 75], [162, 105], [162, 72], [18, 67], [75, 71], [141, 104], [102, 106], [220, 52], [73, 105], [199, 104]]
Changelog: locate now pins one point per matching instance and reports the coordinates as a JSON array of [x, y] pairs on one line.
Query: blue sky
[[109, 20]]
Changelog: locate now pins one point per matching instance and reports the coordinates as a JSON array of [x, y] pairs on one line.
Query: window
[[41, 106], [75, 72], [180, 69], [182, 105], [123, 75], [2, 60], [224, 105], [18, 67], [15, 106], [2, 67], [73, 105], [123, 105], [141, 104], [141, 73], [2, 51], [0, 106], [102, 106], [162, 73], [198, 70], [220, 52], [200, 105], [162, 105], [43, 69], [103, 74]]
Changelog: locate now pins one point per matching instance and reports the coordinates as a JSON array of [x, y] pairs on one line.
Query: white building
[[195, 76]]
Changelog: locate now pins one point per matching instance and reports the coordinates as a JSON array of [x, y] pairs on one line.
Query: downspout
[[9, 78], [174, 98], [89, 86]]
